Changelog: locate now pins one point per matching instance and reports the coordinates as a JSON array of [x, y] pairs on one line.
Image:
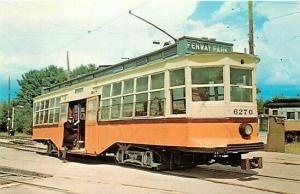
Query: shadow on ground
[[200, 172]]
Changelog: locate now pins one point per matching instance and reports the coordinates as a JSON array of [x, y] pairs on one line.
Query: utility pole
[[251, 31], [8, 111], [68, 66]]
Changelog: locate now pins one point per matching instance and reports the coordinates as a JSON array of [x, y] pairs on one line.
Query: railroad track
[[203, 171], [11, 179], [28, 148], [21, 143], [237, 175]]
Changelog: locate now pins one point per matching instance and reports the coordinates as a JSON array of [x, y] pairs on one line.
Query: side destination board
[[200, 45]]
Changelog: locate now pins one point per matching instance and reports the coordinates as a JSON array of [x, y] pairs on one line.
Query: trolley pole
[[68, 66], [155, 26], [251, 31]]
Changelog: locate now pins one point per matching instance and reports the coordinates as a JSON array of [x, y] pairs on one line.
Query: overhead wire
[[89, 32], [12, 4]]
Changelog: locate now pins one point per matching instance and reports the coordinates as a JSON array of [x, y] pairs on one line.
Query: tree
[[23, 119], [32, 82], [260, 102], [31, 85], [3, 116], [82, 69]]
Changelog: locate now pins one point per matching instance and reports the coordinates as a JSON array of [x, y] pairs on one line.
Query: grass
[[17, 134], [293, 148]]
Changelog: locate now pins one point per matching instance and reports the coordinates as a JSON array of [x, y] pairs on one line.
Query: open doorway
[[77, 109]]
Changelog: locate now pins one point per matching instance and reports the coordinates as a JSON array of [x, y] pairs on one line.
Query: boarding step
[[77, 151]]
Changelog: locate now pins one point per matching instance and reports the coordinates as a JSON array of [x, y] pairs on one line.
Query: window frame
[[209, 85], [134, 93], [41, 111], [251, 87], [184, 86]]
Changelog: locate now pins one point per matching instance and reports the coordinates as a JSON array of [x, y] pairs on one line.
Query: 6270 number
[[242, 111]]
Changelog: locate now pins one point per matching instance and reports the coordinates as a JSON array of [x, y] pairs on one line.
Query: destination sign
[[199, 46]]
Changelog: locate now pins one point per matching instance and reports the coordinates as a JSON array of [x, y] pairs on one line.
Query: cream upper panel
[[194, 109], [223, 108]]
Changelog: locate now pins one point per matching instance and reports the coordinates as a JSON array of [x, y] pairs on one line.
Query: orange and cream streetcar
[[189, 103]]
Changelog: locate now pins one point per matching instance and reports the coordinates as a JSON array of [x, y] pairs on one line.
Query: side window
[[63, 112], [47, 111], [157, 81], [134, 97], [92, 109], [42, 108], [128, 86], [105, 108], [128, 106], [106, 91], [157, 95], [141, 105], [36, 112], [177, 89], [115, 108], [57, 109], [117, 89], [157, 105], [51, 110], [142, 84], [241, 85]]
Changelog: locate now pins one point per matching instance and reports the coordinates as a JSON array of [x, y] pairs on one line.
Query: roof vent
[[204, 38], [212, 39]]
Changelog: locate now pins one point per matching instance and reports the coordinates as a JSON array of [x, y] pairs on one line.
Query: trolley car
[[189, 103]]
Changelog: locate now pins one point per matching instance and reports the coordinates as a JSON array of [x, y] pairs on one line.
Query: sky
[[35, 34]]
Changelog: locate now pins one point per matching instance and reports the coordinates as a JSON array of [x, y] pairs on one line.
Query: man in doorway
[[70, 135]]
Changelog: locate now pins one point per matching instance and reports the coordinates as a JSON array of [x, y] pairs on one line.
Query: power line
[[42, 20], [270, 19], [281, 16], [38, 35], [88, 33]]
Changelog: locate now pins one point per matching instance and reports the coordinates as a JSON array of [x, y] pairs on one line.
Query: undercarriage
[[169, 158]]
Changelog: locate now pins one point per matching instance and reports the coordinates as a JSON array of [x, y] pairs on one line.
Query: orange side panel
[[53, 133], [206, 135]]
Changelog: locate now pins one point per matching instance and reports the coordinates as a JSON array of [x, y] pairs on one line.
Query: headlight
[[246, 129]]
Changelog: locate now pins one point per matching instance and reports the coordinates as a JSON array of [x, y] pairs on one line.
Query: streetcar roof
[[184, 45]]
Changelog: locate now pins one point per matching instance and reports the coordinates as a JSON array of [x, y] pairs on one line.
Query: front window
[[207, 84], [241, 85]]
